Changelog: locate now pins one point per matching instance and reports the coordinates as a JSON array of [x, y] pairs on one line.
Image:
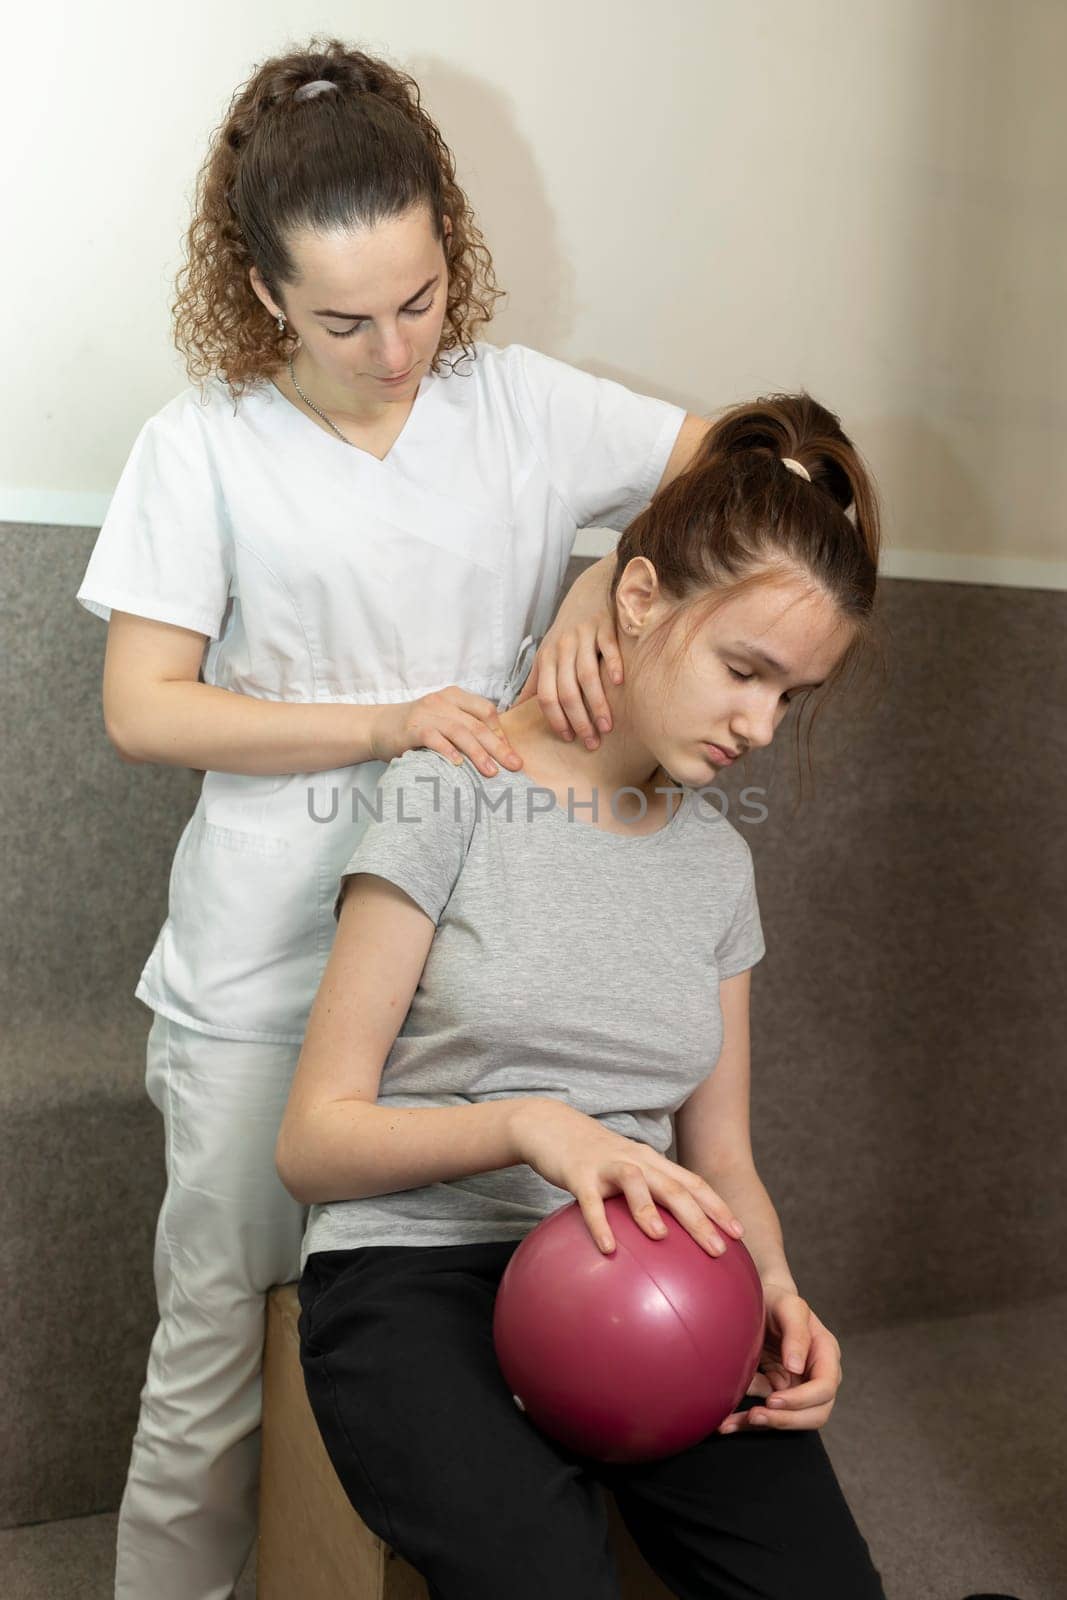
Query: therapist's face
[[369, 305], [716, 689]]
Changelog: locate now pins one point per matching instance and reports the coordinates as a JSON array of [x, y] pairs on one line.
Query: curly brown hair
[[342, 159]]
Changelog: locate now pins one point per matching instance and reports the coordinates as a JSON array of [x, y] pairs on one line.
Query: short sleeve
[[603, 448], [419, 830], [741, 946], [163, 550]]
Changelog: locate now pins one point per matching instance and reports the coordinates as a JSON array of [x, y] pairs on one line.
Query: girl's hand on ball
[[576, 1152]]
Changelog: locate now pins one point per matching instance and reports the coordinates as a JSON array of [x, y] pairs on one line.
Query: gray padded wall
[[907, 1018]]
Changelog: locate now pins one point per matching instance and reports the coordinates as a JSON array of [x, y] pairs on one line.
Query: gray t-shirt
[[568, 962]]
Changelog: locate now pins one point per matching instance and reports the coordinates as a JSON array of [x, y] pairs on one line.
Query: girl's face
[[370, 305], [721, 690]]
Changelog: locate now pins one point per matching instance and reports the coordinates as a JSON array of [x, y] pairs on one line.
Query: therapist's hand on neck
[[578, 660]]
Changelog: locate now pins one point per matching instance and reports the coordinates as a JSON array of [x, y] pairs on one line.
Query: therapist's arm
[[566, 672], [335, 1142], [690, 437], [157, 710]]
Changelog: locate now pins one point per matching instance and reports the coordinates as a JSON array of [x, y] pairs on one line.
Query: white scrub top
[[321, 574]]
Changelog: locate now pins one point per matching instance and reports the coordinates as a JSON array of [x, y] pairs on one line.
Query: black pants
[[397, 1350]]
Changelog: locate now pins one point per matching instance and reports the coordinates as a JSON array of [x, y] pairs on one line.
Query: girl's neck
[[619, 762]]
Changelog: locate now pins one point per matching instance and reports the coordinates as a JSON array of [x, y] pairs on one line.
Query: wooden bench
[[312, 1542]]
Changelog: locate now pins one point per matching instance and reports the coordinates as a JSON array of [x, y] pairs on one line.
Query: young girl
[[530, 977], [331, 554]]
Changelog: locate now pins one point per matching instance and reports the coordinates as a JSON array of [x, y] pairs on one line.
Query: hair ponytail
[[796, 426]]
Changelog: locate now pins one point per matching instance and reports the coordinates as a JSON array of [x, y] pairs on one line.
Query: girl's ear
[[636, 593]]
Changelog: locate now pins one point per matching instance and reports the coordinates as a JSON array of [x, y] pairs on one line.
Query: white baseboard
[[69, 509], [1009, 572], [53, 508]]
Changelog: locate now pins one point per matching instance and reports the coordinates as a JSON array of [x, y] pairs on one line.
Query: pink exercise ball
[[630, 1356]]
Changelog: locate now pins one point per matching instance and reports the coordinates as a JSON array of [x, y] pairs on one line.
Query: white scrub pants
[[227, 1232]]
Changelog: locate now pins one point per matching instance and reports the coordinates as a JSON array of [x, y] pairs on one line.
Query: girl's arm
[[335, 1142], [713, 1138]]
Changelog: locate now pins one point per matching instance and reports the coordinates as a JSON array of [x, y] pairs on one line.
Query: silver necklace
[[315, 408]]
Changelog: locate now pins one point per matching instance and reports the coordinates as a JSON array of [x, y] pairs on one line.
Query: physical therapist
[[335, 547]]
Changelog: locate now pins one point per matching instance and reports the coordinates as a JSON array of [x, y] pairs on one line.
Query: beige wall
[[702, 199]]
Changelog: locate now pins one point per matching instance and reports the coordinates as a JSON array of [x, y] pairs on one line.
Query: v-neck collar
[[332, 442]]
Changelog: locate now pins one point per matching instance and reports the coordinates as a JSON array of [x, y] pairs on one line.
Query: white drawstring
[[519, 672]]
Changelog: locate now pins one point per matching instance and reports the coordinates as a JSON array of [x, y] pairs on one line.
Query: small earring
[[281, 324]]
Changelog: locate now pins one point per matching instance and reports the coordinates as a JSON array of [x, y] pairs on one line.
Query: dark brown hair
[[737, 518], [345, 158]]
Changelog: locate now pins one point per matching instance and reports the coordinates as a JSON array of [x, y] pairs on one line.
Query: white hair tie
[[309, 90], [795, 466]]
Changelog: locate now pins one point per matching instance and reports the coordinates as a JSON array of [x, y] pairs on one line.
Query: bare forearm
[[598, 576], [197, 725], [742, 1188], [349, 1149]]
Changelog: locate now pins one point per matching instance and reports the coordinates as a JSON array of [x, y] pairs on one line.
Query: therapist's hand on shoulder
[[580, 645], [453, 722]]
